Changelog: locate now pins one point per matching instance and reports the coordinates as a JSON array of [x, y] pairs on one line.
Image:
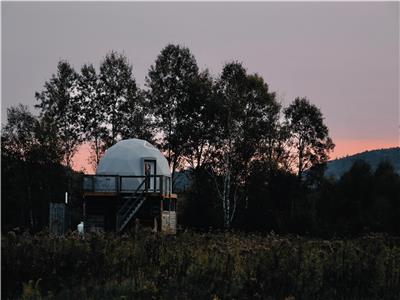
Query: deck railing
[[126, 184]]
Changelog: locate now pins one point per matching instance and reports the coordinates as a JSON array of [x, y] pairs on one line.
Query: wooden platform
[[113, 194], [100, 194]]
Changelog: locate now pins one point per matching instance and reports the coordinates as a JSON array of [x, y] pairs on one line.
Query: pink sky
[[342, 56], [349, 147]]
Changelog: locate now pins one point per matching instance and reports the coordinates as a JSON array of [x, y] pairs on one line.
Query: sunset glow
[[349, 147], [344, 147]]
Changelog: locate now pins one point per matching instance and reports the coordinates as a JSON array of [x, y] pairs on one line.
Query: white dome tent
[[127, 158], [132, 182]]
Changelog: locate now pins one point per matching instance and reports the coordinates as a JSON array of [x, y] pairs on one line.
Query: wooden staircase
[[130, 207]]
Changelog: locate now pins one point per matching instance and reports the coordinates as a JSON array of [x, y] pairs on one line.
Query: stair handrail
[[133, 194], [121, 213], [129, 214], [134, 205]]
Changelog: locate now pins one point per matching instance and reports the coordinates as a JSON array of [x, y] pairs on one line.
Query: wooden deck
[[114, 194], [111, 185], [100, 194]]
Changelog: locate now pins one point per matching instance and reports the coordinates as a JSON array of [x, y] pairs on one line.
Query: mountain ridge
[[338, 166]]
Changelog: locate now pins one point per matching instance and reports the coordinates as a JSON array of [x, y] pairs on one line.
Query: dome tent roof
[[126, 158]]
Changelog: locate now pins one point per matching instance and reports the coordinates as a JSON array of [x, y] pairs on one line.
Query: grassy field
[[219, 265]]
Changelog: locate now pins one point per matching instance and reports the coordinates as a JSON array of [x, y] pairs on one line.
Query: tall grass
[[219, 265]]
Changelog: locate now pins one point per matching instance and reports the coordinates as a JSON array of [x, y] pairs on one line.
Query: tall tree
[[308, 134], [92, 114], [263, 113], [59, 109], [18, 134], [355, 197], [30, 168], [122, 103], [198, 126], [198, 121], [17, 142], [136, 118], [386, 209], [246, 112], [169, 82]]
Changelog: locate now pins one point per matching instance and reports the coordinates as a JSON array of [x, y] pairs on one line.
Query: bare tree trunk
[[174, 163], [97, 149], [234, 207]]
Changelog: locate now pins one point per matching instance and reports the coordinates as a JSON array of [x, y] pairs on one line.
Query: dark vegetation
[[223, 265], [254, 166]]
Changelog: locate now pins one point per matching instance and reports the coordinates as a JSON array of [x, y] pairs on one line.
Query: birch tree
[[246, 112]]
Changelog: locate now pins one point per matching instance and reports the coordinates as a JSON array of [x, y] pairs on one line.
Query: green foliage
[[223, 265]]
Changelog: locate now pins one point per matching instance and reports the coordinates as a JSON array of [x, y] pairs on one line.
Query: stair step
[[133, 210], [129, 209]]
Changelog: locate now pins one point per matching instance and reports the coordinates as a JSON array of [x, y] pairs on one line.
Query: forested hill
[[339, 166]]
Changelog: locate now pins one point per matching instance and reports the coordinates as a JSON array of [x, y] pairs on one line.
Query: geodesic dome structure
[[126, 158]]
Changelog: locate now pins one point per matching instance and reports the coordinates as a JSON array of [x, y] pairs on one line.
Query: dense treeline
[[199, 266], [360, 201], [31, 173], [254, 164]]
